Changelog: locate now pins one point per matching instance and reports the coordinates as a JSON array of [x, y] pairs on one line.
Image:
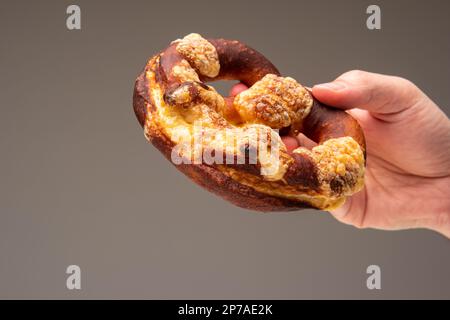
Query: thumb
[[354, 211], [374, 92]]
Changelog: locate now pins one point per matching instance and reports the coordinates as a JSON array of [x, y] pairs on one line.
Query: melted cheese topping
[[277, 102], [200, 53], [340, 161]]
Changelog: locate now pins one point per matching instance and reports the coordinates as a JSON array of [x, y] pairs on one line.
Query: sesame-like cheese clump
[[200, 53], [184, 72], [341, 165], [274, 101]]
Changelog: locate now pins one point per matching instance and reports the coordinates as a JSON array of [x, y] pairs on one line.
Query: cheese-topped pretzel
[[184, 118]]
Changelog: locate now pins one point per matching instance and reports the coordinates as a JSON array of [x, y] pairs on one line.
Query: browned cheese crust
[[171, 97]]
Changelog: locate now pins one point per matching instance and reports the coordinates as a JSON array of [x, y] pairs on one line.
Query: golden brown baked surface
[[233, 148]]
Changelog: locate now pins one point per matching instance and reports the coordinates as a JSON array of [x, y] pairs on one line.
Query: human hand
[[407, 181]]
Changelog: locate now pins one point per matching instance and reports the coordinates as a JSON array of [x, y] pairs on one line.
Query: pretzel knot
[[232, 145]]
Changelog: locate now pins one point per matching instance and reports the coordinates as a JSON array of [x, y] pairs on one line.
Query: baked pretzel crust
[[171, 94]]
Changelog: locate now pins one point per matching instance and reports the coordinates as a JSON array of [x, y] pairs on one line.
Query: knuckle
[[408, 90], [356, 76], [407, 84]]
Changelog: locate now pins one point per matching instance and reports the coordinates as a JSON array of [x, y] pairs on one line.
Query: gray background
[[80, 185]]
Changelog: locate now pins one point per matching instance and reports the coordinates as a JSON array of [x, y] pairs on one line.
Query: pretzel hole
[[223, 87]]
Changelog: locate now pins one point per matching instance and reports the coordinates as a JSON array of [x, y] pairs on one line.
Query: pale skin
[[407, 180]]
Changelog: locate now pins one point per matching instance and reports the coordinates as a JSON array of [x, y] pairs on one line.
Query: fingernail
[[333, 86]]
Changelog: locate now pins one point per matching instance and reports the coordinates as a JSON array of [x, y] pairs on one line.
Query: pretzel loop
[[172, 98]]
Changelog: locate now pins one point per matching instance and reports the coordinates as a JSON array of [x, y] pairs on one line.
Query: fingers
[[234, 91], [353, 211], [291, 143], [301, 140], [237, 88], [306, 142], [370, 91]]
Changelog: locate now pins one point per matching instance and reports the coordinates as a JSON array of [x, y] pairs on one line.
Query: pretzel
[[172, 102]]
